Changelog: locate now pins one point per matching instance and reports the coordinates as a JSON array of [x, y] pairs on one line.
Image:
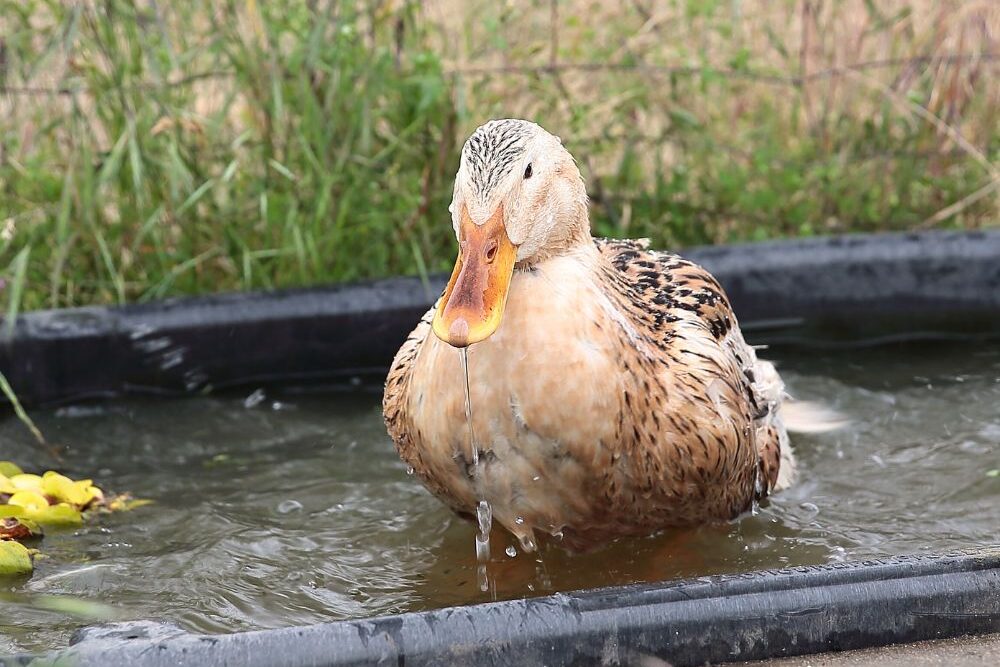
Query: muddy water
[[276, 510]]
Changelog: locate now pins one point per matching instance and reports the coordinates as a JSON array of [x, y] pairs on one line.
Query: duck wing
[[682, 309]]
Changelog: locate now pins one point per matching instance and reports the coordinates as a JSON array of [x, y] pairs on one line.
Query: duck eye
[[527, 172]]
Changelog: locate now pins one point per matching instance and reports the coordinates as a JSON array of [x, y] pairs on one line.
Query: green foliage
[[266, 144]]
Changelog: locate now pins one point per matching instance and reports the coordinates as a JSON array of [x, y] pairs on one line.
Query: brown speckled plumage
[[618, 397]]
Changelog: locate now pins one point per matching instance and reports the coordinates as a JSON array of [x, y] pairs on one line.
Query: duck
[[610, 390]]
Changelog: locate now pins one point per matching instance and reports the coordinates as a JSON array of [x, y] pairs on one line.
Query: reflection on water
[[272, 514]]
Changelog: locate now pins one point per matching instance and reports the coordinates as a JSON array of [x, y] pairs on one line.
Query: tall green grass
[[150, 149], [318, 154]]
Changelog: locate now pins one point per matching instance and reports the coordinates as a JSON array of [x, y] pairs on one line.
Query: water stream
[[484, 513]]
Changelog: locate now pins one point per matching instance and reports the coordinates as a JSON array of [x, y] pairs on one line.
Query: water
[[296, 509], [484, 513], [473, 445]]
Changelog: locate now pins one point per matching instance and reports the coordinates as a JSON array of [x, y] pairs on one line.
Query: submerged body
[[616, 397]]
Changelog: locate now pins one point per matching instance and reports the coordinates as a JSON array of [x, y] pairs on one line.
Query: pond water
[[287, 509]]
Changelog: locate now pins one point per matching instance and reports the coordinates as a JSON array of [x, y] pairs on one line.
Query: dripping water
[[758, 488], [484, 516], [484, 513], [468, 409]]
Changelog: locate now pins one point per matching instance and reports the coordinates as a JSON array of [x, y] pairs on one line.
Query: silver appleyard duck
[[612, 391]]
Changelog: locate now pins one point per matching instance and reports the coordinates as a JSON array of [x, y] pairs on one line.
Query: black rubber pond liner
[[841, 291], [830, 291], [714, 619]]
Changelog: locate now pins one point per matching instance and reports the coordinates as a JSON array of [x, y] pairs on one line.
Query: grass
[[150, 149]]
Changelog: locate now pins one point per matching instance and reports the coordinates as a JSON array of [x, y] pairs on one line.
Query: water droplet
[[511, 551], [289, 506], [527, 542], [519, 520], [536, 478], [809, 507], [254, 399], [409, 470]]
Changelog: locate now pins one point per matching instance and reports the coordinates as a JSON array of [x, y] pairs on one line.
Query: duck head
[[519, 198]]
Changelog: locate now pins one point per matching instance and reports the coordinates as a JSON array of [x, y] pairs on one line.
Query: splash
[[758, 488], [484, 515]]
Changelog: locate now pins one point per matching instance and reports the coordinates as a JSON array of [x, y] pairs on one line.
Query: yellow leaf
[[26, 482], [125, 503], [29, 500], [65, 490], [94, 491], [57, 515], [14, 558], [12, 510]]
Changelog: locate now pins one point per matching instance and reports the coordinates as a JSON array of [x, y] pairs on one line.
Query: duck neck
[[570, 236]]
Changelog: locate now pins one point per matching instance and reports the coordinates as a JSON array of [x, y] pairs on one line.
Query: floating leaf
[[14, 559], [29, 500], [36, 507], [65, 490], [26, 482], [8, 469], [125, 502], [12, 511], [57, 515]]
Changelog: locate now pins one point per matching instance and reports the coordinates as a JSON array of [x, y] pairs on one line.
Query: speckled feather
[[618, 397]]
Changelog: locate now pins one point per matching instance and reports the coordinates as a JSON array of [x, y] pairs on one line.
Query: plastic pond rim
[[713, 619]]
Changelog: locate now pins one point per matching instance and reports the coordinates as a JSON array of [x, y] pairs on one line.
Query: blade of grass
[[19, 270], [26, 419]]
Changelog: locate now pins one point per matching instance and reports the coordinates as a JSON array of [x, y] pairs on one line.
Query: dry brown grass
[[829, 60]]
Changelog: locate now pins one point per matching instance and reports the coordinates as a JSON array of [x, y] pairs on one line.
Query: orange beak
[[472, 305]]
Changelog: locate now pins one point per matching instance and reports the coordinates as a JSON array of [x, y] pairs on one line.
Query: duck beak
[[472, 305]]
